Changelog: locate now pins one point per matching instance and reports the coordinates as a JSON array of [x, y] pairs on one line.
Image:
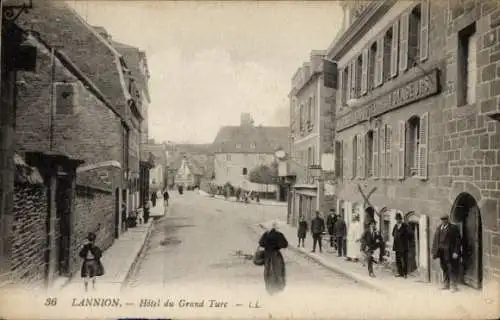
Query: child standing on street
[[92, 266], [302, 231]]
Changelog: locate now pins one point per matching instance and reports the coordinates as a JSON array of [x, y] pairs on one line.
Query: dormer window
[[238, 146], [252, 145]]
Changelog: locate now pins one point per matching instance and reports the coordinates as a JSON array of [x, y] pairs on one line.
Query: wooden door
[[472, 248], [63, 224], [413, 253]]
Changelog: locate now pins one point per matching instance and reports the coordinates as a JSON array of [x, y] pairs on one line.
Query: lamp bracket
[[11, 13]]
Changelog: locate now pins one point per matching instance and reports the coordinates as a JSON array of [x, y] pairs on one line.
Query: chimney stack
[[246, 120]]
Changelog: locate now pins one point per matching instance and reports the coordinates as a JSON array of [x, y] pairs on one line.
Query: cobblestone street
[[206, 243]]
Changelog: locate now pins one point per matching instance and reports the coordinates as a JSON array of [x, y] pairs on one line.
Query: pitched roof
[[133, 57], [191, 148], [175, 162], [60, 27], [158, 152], [250, 139]]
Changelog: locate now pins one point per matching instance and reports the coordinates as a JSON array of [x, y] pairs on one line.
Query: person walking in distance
[[92, 266], [446, 247], [370, 241], [330, 223], [401, 245], [302, 231], [166, 196], [317, 229], [340, 231]]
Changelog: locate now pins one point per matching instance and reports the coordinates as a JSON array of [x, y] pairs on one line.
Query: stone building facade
[[311, 138], [83, 127], [413, 126], [240, 149]]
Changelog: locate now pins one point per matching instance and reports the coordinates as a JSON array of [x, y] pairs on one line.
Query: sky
[[211, 61]]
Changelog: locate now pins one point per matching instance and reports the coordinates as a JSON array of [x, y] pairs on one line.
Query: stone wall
[[29, 235], [472, 139], [84, 128], [94, 212]]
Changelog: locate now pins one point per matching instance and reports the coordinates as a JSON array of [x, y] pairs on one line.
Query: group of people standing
[[360, 242], [154, 198]]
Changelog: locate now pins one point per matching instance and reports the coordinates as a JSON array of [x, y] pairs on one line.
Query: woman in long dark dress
[[274, 265]]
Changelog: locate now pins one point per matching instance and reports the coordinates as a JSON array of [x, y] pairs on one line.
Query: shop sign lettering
[[416, 90]]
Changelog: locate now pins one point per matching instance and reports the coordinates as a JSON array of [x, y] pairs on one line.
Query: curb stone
[[139, 254], [336, 269]]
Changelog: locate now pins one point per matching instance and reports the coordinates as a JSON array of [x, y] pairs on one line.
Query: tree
[[263, 174]]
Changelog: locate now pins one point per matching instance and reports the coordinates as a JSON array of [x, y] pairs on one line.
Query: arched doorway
[[465, 213], [414, 253]]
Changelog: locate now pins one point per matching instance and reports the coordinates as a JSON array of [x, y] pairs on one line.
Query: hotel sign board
[[420, 88]]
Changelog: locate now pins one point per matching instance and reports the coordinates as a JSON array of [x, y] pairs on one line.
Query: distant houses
[[240, 149]]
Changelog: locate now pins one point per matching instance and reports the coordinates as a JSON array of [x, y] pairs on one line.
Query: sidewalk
[[468, 299], [263, 202], [118, 261]]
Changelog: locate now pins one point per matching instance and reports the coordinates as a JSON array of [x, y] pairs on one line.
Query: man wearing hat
[[401, 245], [330, 223], [317, 229], [446, 247]]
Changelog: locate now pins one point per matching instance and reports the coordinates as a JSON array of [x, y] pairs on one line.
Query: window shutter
[[342, 159], [375, 68], [403, 43], [353, 79], [354, 162], [423, 149], [424, 31], [401, 150], [65, 98], [388, 148], [362, 156], [375, 152], [349, 81], [364, 72], [382, 152], [379, 62], [394, 49], [341, 86], [345, 163]]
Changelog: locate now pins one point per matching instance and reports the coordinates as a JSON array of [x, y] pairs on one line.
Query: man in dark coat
[[340, 231], [330, 223], [317, 229], [446, 247], [401, 245], [371, 241], [274, 265]]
